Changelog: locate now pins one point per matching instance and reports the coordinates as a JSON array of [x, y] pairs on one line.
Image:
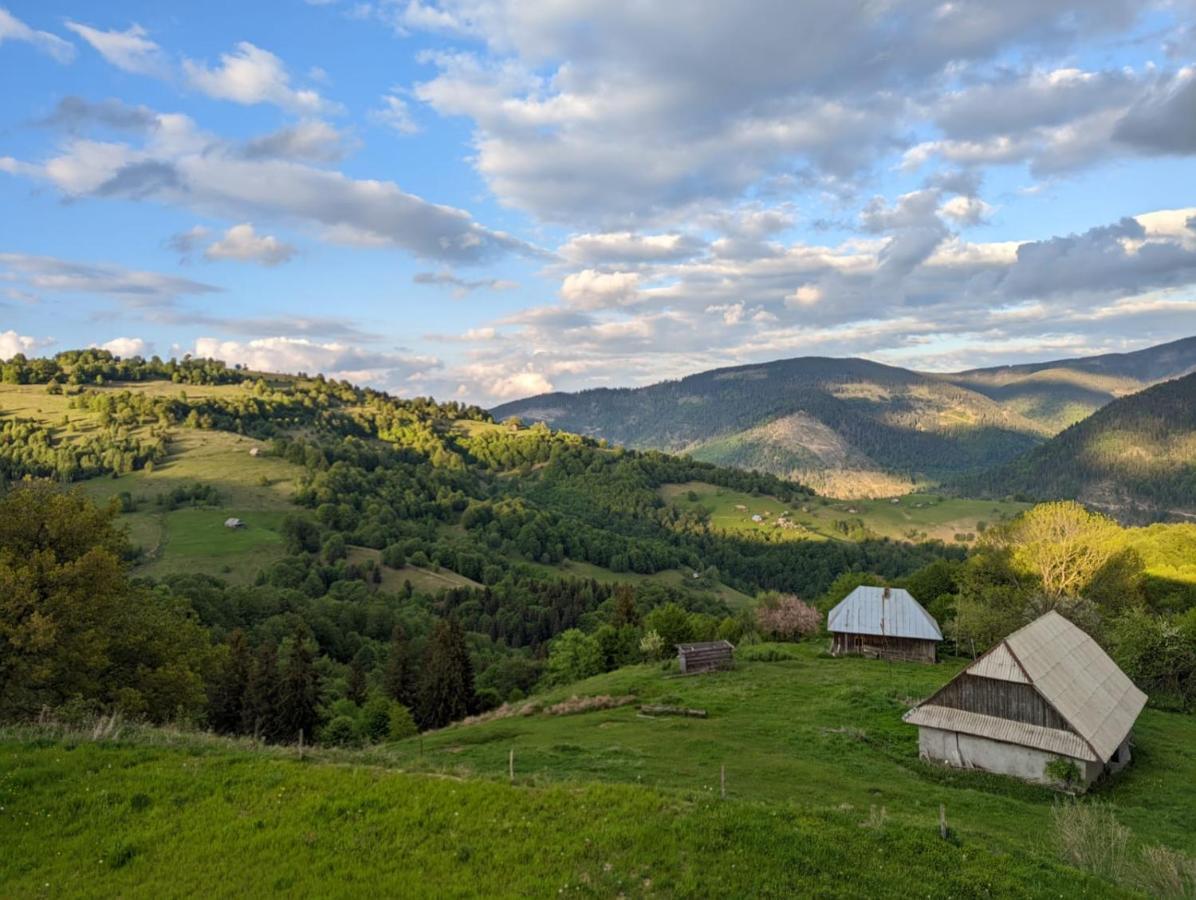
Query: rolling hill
[[1135, 458], [852, 427]]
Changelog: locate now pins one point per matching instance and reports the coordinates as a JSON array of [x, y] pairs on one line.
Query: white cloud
[[591, 289], [132, 286], [312, 140], [334, 359], [13, 29], [242, 243], [130, 50], [179, 164], [395, 114], [627, 246], [12, 343], [251, 75], [126, 347], [519, 384], [966, 210]]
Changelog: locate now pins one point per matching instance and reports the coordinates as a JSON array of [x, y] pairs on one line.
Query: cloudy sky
[[486, 199]]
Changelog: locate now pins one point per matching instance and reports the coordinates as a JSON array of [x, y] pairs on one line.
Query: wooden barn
[[1044, 697], [884, 623], [706, 656]]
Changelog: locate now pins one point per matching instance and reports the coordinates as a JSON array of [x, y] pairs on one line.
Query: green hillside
[[853, 428], [1135, 457]]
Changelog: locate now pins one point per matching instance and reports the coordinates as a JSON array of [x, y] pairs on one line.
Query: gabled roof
[[888, 612], [1070, 671]]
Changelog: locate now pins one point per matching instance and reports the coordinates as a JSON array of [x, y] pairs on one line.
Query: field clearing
[[823, 732], [912, 517], [422, 579], [672, 577]]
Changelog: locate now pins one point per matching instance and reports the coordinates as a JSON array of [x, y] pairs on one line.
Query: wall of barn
[[966, 751], [908, 649], [1003, 699]]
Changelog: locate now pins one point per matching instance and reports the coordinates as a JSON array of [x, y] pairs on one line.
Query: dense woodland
[[1136, 456], [315, 645]]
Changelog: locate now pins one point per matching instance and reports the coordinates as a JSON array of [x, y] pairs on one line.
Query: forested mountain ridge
[[1135, 457], [851, 426]]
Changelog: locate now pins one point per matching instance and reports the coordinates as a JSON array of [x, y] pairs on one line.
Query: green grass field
[[823, 732], [192, 817], [912, 517], [672, 577]]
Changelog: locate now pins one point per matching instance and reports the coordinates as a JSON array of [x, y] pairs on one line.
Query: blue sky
[[486, 199]]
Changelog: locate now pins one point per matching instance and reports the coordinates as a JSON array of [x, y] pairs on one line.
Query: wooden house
[[884, 623], [1047, 704], [706, 656]]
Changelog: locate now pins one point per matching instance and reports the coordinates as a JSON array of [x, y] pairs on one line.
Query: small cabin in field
[[884, 623], [1047, 704], [233, 523], [254, 451], [707, 656]]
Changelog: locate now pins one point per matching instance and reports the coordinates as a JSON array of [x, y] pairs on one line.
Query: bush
[[401, 723], [652, 645], [341, 732], [765, 654], [1063, 771], [1090, 838], [375, 719]]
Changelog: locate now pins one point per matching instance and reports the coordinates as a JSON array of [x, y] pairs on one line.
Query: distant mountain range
[[854, 427], [1135, 457]]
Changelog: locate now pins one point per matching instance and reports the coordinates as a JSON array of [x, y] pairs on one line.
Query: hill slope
[[853, 427], [1134, 457]]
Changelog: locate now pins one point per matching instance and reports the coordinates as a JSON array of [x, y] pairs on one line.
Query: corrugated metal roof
[[998, 663], [889, 612], [1051, 740], [1079, 679]]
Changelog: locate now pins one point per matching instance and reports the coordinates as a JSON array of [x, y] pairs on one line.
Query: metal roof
[[1051, 740], [706, 645], [1070, 671], [889, 612], [1079, 679]]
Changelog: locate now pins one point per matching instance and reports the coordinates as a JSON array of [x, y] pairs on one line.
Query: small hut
[[706, 656], [1047, 704], [233, 523], [254, 451], [884, 623]]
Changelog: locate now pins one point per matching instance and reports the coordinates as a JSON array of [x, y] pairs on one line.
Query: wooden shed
[[1047, 693], [884, 623], [707, 656]]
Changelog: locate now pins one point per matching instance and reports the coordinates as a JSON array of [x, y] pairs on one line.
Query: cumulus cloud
[[13, 29], [130, 50], [178, 164], [591, 289], [1164, 120], [125, 347], [243, 244], [76, 114], [519, 384], [251, 75], [12, 343], [627, 246]]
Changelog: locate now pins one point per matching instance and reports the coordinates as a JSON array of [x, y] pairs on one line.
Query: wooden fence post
[[511, 765], [943, 821], [722, 781], [301, 743]]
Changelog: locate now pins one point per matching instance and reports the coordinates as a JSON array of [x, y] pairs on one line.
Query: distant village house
[[884, 623], [1047, 704]]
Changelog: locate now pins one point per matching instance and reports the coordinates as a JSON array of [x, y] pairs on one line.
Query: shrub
[[401, 723], [765, 654], [652, 645], [1091, 838], [1063, 771], [341, 732]]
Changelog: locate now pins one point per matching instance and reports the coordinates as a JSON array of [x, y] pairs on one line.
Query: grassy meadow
[[909, 517]]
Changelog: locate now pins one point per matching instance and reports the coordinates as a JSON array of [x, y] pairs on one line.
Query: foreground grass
[[125, 818], [823, 732]]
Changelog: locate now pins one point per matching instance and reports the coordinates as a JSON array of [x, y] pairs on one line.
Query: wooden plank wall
[[910, 649], [1006, 699], [705, 660]]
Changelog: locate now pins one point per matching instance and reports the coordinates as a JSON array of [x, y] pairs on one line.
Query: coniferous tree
[[356, 687], [398, 679], [299, 688], [230, 694], [446, 686], [259, 715]]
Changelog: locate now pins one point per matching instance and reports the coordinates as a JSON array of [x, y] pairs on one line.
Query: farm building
[[705, 657], [233, 523], [883, 622], [1046, 693]]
